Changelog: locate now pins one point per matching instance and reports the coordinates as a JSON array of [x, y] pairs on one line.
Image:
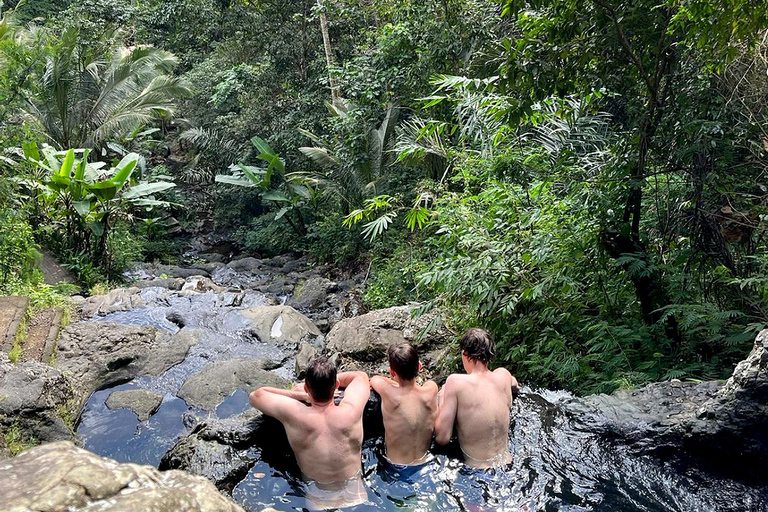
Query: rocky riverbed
[[158, 373]]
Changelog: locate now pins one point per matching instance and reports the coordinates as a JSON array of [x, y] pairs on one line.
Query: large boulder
[[60, 476], [97, 354], [279, 324], [207, 388], [220, 449], [119, 299], [312, 294], [367, 337], [723, 425], [33, 399]]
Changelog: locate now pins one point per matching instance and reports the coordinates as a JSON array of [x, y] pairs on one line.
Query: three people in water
[[327, 438]]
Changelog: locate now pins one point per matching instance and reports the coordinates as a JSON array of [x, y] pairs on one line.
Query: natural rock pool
[[559, 464]]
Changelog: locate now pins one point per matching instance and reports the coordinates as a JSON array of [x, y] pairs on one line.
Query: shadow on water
[[556, 466]]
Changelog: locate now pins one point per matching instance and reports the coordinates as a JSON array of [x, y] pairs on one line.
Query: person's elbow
[[442, 436], [256, 397]]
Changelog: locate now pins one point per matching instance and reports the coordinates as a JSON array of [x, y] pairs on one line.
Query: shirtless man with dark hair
[[326, 438], [408, 410], [478, 403]]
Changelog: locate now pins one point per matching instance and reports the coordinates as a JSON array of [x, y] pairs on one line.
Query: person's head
[[478, 345], [320, 380], [403, 360]]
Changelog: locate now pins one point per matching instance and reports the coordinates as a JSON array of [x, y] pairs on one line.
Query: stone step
[[42, 334], [12, 311]]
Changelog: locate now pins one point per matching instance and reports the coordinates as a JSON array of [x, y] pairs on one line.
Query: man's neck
[[403, 383], [320, 405], [476, 367]]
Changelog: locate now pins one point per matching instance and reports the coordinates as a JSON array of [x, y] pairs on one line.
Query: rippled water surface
[[556, 467]]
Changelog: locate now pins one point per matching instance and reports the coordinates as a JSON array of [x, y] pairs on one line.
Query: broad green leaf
[[274, 195], [66, 164], [146, 189], [281, 212], [83, 208], [240, 181]]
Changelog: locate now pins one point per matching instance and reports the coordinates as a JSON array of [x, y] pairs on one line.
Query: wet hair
[[321, 378], [478, 345], [404, 360]]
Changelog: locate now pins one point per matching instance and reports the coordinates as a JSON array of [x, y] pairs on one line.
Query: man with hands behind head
[[326, 438]]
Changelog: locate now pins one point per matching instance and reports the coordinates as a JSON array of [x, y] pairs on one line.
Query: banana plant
[[91, 195], [290, 192]]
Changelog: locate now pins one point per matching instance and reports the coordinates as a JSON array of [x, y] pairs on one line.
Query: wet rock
[[219, 449], [207, 388], [312, 294], [60, 476], [182, 272], [119, 299], [176, 318], [96, 354], [367, 337], [201, 284], [33, 397], [279, 324], [141, 401], [245, 265], [171, 283], [724, 426]]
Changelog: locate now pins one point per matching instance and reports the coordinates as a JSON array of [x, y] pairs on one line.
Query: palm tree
[[86, 99]]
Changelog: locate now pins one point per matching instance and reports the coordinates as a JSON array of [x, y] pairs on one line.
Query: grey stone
[[245, 265], [184, 273], [96, 354], [279, 324], [141, 401], [207, 388], [171, 283], [306, 352], [367, 337], [33, 396], [218, 449], [313, 294], [60, 476], [119, 299], [201, 284]]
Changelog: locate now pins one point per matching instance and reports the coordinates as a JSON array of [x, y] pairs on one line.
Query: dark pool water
[[556, 467]]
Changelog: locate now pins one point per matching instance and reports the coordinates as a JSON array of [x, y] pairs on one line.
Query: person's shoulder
[[429, 388], [456, 381], [504, 376]]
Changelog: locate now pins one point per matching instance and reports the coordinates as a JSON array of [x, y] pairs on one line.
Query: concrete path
[[12, 310], [53, 273]]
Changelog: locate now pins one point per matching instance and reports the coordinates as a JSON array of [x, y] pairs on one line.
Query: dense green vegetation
[[585, 179]]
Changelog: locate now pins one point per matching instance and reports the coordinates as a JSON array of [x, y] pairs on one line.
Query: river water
[[556, 466]]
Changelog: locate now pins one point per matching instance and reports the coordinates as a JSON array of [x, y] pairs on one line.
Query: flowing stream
[[556, 466]]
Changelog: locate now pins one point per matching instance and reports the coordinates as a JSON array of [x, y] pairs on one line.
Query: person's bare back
[[326, 438], [479, 404], [409, 413], [408, 410]]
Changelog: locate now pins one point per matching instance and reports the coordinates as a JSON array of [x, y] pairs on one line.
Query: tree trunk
[[335, 95]]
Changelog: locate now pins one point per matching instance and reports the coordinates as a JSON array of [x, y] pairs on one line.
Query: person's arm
[[446, 412], [515, 386], [276, 402], [357, 389], [381, 384]]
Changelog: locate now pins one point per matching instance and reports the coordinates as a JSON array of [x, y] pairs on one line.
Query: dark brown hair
[[478, 345], [404, 360], [321, 378]]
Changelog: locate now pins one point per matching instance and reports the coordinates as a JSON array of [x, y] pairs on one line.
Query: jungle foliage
[[584, 178]]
